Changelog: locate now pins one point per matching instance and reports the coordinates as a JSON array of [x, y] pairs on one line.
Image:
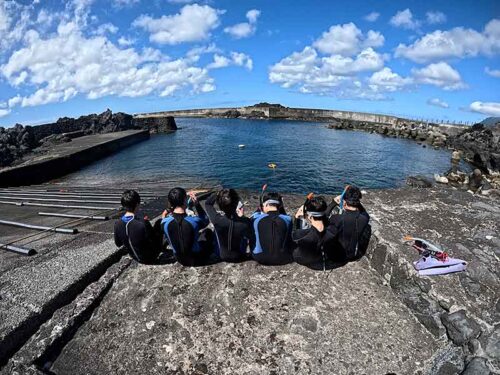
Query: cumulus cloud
[[193, 23], [125, 42], [347, 40], [244, 29], [441, 75], [237, 59], [405, 20], [106, 28], [458, 42], [489, 109], [372, 17], [14, 23], [434, 17], [436, 102], [492, 72], [386, 80], [4, 112], [68, 64]]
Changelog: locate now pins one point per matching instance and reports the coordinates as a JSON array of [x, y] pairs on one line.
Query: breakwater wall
[[69, 157], [277, 111]]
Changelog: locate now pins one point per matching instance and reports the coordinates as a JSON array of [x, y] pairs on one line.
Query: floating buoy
[[241, 146], [272, 165]]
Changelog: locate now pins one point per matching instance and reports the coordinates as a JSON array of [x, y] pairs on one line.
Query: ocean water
[[309, 158]]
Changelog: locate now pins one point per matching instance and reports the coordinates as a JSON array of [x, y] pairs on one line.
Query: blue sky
[[425, 59]]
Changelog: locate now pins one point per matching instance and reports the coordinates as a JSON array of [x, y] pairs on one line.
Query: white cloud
[[372, 17], [386, 80], [4, 112], [441, 75], [492, 72], [106, 28], [489, 109], [436, 102], [193, 23], [68, 64], [14, 23], [237, 59], [455, 43], [125, 3], [244, 29], [125, 42], [347, 40], [404, 19], [434, 17]]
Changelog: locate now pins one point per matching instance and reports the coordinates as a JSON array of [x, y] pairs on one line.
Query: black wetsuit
[[191, 248], [273, 238], [313, 246], [233, 234], [142, 242], [352, 233]]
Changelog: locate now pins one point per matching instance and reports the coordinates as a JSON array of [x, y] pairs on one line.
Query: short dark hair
[[177, 197], [353, 196], [274, 196], [130, 200], [316, 204], [228, 199]]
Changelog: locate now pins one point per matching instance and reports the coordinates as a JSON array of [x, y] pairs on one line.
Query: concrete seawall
[[69, 157], [276, 111]]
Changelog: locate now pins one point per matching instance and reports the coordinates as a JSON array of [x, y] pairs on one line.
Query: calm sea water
[[309, 156]]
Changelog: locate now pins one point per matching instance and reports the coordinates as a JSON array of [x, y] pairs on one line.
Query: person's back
[[234, 231], [272, 232], [351, 228], [135, 233], [182, 231], [315, 242]]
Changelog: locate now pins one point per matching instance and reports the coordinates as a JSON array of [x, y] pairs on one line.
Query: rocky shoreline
[[19, 142], [479, 144]]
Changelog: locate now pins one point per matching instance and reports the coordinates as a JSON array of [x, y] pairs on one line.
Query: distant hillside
[[490, 121]]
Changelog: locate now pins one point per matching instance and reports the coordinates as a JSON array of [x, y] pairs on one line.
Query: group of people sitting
[[320, 235]]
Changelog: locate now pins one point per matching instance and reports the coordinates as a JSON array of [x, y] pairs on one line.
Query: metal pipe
[[12, 203], [63, 191], [18, 249], [59, 200], [103, 218], [60, 195], [65, 206], [39, 227]]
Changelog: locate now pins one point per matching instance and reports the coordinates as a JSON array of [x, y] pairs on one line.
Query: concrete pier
[[69, 157]]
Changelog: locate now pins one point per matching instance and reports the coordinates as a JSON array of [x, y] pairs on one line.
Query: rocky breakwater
[[431, 134], [19, 141]]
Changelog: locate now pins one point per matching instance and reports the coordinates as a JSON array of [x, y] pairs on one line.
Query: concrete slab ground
[[249, 319]]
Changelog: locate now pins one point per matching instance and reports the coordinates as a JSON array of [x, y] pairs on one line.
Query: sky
[[434, 60]]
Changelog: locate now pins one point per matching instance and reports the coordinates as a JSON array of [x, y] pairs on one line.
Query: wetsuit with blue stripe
[[183, 233], [139, 238], [273, 238], [234, 234]]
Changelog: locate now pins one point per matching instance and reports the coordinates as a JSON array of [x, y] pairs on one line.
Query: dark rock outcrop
[[480, 145], [163, 124], [15, 142]]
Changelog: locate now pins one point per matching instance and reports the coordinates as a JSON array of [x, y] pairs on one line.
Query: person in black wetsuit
[[142, 241], [351, 228], [273, 228], [234, 231], [315, 242], [191, 246]]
